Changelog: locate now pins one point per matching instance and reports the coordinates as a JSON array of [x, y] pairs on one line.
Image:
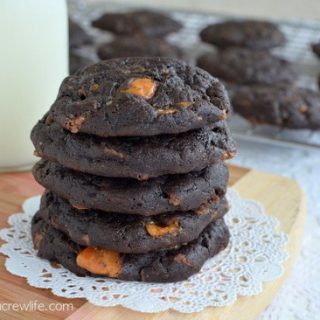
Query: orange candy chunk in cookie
[[100, 261], [144, 87], [155, 230]]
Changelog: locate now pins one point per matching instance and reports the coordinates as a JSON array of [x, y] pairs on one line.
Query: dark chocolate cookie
[[283, 106], [127, 233], [77, 61], [77, 36], [143, 22], [252, 34], [126, 46], [133, 157], [243, 66], [151, 197], [139, 97], [160, 266], [316, 49]]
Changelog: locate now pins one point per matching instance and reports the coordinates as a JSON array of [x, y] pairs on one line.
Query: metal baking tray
[[300, 34]]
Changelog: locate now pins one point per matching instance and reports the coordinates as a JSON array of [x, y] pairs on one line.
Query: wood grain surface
[[282, 198]]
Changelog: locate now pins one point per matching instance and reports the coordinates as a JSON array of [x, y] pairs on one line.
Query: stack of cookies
[[137, 34], [133, 155]]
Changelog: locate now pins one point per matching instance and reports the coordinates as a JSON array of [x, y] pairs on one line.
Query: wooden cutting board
[[282, 198]]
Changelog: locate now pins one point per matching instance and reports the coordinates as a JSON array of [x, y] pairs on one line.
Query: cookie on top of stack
[[133, 155], [137, 34]]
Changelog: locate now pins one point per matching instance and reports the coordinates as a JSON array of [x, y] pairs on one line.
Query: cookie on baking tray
[[128, 46], [77, 35], [252, 34], [284, 106], [243, 66], [143, 22]]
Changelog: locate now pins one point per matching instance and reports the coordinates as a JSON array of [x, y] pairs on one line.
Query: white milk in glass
[[33, 62]]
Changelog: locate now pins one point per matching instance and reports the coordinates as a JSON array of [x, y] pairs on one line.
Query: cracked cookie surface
[[129, 233], [252, 34], [159, 266], [133, 157], [141, 22], [243, 66], [110, 99], [283, 106], [151, 197]]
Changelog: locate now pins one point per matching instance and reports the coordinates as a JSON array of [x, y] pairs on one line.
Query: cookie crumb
[[113, 153], [181, 258], [174, 200], [74, 125]]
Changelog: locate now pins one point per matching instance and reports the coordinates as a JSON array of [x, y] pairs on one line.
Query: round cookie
[[77, 36], [139, 97], [126, 46], [133, 157], [127, 233], [283, 106], [252, 34], [151, 197], [243, 66], [160, 266], [143, 22]]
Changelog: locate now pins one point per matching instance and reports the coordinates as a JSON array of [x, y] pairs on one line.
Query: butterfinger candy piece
[[143, 87], [100, 261]]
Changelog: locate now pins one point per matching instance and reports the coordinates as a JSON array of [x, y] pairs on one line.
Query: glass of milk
[[33, 62]]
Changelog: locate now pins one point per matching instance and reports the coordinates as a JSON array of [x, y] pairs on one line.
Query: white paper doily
[[254, 255], [299, 297]]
